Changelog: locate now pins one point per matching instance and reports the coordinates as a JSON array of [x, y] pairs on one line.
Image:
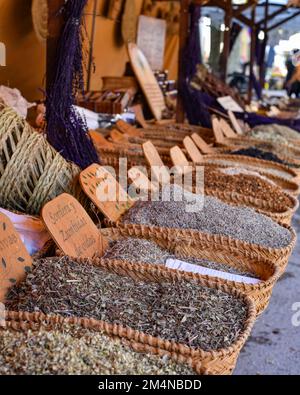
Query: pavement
[[274, 345]]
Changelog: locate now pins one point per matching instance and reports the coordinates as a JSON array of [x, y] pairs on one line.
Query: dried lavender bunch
[[70, 350], [138, 250], [182, 311], [216, 217]]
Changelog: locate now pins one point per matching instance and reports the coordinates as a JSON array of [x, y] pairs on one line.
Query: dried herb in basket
[[70, 350], [184, 312]]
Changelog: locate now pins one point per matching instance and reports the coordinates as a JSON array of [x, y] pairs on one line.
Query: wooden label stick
[[158, 168], [99, 140], [179, 160], [201, 144], [235, 123], [125, 128], [228, 132], [140, 180], [218, 133], [105, 192], [118, 137], [192, 150], [72, 229], [14, 258]]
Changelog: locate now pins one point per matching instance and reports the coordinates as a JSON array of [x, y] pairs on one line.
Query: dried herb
[[182, 311], [216, 217], [70, 350], [146, 251]]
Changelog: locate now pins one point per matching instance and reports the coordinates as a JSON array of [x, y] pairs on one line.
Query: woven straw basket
[[31, 172], [210, 362], [23, 321], [279, 256], [267, 271]]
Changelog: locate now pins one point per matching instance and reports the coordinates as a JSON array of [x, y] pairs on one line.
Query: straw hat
[[39, 11]]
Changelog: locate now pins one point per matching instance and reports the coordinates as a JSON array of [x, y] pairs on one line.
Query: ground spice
[[274, 131], [70, 350], [216, 217], [146, 251], [260, 154], [232, 163], [182, 311], [248, 185]]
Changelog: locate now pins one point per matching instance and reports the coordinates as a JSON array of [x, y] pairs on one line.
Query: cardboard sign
[[105, 192], [147, 80], [218, 133], [151, 40], [158, 168], [228, 103], [71, 228], [235, 123], [140, 180], [14, 258], [192, 150], [201, 144], [125, 128], [205, 271]]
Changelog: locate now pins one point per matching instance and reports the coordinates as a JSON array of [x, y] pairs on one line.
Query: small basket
[[220, 361], [259, 293], [23, 321], [279, 256]]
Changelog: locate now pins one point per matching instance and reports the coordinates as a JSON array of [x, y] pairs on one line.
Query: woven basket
[[212, 362], [259, 293], [23, 321], [31, 172], [279, 256]]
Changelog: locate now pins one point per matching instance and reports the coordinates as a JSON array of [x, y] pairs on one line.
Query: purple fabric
[[254, 119], [66, 131]]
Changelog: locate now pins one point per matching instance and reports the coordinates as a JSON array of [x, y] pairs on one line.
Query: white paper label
[[189, 267], [229, 104]]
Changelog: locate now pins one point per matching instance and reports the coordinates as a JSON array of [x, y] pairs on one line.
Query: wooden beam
[[283, 21], [252, 53], [262, 68], [183, 37], [226, 48], [271, 16], [238, 10]]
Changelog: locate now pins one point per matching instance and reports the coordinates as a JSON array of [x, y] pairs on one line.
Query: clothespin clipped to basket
[[127, 129], [192, 150], [15, 261], [100, 185], [235, 123], [201, 144], [218, 132], [158, 169], [226, 129], [72, 229]]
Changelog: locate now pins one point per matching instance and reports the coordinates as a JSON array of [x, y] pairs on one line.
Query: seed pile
[[215, 217], [145, 251], [274, 130], [261, 154], [183, 312], [70, 350], [248, 185], [229, 162]]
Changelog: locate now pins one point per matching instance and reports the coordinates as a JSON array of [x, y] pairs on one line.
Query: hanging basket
[[32, 172]]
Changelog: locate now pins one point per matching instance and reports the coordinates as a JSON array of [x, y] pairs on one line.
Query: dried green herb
[[70, 350], [182, 311], [216, 217]]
